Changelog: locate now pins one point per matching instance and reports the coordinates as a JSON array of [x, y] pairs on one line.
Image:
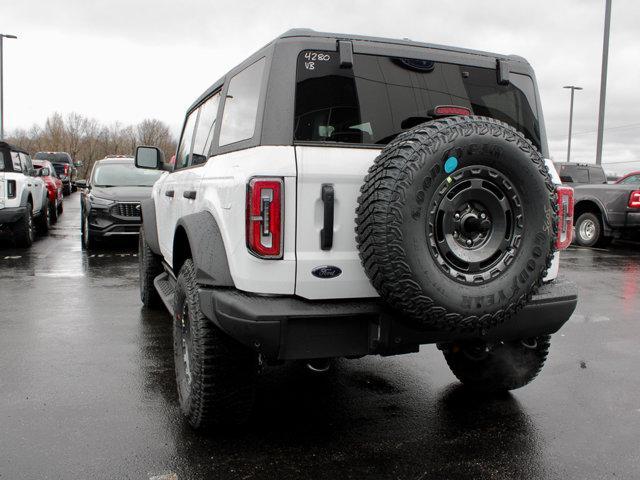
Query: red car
[[630, 178], [54, 186]]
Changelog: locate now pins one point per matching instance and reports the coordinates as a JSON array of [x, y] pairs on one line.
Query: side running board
[[166, 287]]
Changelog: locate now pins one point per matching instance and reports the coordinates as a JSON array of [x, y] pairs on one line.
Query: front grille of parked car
[[126, 209]]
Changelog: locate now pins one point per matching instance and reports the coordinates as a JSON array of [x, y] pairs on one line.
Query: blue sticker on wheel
[[451, 164]]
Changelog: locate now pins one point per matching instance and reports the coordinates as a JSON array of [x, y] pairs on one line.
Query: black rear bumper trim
[[286, 328]]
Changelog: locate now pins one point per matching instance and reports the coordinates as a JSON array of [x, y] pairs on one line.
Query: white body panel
[[33, 185], [221, 185], [552, 273], [222, 188], [3, 190], [345, 169]]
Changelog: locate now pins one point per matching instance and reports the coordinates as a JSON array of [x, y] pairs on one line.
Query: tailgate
[[344, 170]]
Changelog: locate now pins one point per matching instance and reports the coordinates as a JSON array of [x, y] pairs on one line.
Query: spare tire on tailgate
[[456, 223]]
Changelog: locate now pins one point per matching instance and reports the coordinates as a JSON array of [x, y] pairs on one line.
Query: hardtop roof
[[310, 33], [15, 148]]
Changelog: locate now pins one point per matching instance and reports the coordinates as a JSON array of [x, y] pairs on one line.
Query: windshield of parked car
[[53, 157], [382, 96], [123, 175], [631, 179]]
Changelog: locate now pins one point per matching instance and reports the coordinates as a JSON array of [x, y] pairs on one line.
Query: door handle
[[326, 234], [169, 193], [190, 194]]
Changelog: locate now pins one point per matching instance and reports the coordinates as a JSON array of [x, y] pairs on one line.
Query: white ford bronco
[[341, 196], [24, 203]]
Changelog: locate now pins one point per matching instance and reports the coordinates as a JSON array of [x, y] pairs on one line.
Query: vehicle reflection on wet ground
[[87, 388]]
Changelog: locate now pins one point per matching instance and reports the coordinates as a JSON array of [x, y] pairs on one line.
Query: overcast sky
[[125, 61]]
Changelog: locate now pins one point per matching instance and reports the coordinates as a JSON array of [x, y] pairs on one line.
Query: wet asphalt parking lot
[[87, 389]]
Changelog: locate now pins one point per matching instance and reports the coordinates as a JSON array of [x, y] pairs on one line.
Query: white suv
[[24, 203], [339, 196]]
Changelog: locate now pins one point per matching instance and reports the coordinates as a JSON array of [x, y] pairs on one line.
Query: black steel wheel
[[476, 227]]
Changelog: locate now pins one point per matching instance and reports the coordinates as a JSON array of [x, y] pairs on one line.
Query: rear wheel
[[66, 189], [497, 367], [23, 231], [589, 231], [215, 374], [43, 222], [150, 266], [60, 207]]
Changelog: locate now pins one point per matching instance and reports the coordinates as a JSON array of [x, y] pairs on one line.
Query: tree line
[[87, 140]]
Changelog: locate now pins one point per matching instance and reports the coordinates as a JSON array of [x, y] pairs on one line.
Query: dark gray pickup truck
[[602, 211]]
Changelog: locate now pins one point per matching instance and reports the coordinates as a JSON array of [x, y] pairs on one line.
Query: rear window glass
[[581, 175], [596, 175], [53, 157], [381, 96]]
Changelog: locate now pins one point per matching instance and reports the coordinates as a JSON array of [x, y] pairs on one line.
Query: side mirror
[[81, 184], [149, 157], [44, 172]]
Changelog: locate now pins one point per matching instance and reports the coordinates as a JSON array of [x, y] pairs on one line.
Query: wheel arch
[[198, 237], [588, 206], [148, 214]]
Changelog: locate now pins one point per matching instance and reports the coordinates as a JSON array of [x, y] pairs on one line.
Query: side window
[[204, 131], [241, 104], [15, 160], [184, 149]]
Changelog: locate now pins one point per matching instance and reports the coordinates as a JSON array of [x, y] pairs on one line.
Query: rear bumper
[[11, 214], [289, 328]]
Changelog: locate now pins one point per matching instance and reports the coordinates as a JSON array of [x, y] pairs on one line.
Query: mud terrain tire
[[216, 375], [501, 367], [456, 223]]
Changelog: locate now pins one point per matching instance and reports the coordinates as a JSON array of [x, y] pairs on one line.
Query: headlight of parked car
[[100, 202]]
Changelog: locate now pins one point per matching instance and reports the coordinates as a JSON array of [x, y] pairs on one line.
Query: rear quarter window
[[241, 104]]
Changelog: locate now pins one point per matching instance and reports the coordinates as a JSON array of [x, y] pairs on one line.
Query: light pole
[[573, 88], [603, 81], [2, 37]]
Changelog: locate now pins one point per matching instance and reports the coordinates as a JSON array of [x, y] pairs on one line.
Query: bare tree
[[87, 140]]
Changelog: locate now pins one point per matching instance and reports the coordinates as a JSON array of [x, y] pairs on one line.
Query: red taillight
[[444, 110], [264, 217], [66, 169], [634, 199], [564, 197]]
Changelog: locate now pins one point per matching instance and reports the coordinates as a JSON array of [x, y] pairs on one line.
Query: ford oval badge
[[326, 271]]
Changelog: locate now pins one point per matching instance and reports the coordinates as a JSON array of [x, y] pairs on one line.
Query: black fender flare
[[24, 197], [148, 213], [207, 249]]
